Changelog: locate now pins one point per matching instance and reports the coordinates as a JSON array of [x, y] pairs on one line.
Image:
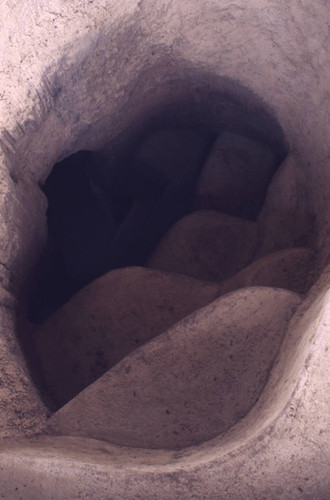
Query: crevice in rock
[[4, 265]]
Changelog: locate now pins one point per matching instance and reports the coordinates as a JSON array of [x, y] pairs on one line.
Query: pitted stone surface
[[107, 320], [206, 245], [292, 268], [191, 383]]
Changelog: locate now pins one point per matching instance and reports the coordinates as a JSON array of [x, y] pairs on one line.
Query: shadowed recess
[[109, 208]]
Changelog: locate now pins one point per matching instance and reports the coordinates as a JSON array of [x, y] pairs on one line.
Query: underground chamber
[[162, 306], [161, 227]]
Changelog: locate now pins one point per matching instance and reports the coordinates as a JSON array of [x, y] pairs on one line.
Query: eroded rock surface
[[108, 319], [285, 219], [291, 268], [73, 73], [206, 245], [192, 382], [236, 175]]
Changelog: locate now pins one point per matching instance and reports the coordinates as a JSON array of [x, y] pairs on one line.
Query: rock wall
[[79, 75]]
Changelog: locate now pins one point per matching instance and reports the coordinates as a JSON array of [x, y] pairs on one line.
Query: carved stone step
[[191, 383], [207, 245], [109, 318]]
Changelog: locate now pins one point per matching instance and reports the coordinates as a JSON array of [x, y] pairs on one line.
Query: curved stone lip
[[127, 420], [308, 323]]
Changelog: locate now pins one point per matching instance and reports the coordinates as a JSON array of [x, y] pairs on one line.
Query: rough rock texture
[[20, 406], [73, 76], [190, 384], [261, 456], [236, 176], [292, 268], [206, 245], [286, 219], [108, 319]]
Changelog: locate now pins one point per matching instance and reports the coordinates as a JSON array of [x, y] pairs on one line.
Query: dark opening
[[109, 208]]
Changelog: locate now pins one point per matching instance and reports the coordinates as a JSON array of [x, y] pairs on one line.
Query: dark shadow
[[109, 208]]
